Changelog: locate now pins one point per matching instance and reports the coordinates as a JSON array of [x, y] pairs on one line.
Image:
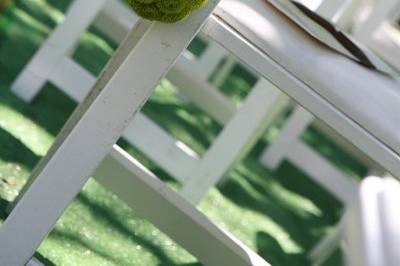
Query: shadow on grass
[[79, 240], [105, 214], [293, 179], [254, 188], [102, 252], [186, 121], [237, 191], [269, 248], [13, 150], [44, 260], [50, 110]]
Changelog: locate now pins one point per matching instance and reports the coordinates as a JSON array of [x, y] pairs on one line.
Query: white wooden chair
[[289, 146], [243, 125], [259, 35], [191, 75], [345, 15], [125, 84], [368, 231], [340, 103]]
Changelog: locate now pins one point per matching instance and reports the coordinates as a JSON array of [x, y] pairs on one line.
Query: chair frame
[[76, 153], [289, 146]]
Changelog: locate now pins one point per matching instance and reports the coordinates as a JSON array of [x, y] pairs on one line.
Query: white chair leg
[[208, 61], [325, 248], [225, 70], [371, 226], [290, 133], [129, 78], [238, 136], [203, 94], [60, 43]]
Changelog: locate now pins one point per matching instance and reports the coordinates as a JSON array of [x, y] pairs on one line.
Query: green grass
[[280, 214]]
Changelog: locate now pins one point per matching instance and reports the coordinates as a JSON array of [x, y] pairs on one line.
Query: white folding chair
[[243, 125], [368, 231], [262, 37], [289, 146], [339, 101], [352, 106], [125, 84]]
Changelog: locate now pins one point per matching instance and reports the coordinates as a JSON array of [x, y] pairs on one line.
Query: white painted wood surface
[[288, 145], [172, 155], [279, 150], [255, 115], [156, 202], [34, 262], [328, 245], [76, 82], [237, 44], [369, 228], [191, 76], [324, 174], [94, 127]]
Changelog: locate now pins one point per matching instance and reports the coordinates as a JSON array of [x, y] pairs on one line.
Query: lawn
[[280, 214]]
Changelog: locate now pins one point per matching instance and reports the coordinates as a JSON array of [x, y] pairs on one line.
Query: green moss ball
[[168, 11]]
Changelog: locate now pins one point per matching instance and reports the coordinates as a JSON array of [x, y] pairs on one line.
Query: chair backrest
[[368, 231], [371, 228]]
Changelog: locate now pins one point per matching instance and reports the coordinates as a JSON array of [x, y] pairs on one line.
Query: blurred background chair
[[192, 76], [368, 233]]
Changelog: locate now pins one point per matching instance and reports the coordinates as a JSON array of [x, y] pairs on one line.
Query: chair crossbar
[[159, 204]]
